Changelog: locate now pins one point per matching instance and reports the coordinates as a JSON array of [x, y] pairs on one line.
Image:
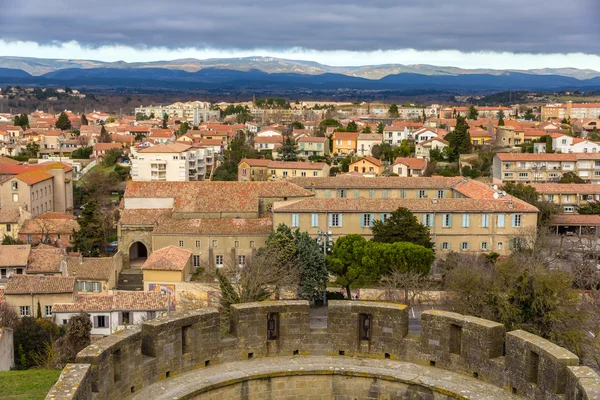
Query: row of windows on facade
[[34, 195], [215, 243], [565, 165], [367, 220], [25, 311], [283, 173], [421, 194]]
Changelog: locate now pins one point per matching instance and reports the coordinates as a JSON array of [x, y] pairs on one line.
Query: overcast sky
[[466, 33]]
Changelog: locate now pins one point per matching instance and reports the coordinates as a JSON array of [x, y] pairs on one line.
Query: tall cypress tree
[[459, 139], [313, 270], [289, 150]]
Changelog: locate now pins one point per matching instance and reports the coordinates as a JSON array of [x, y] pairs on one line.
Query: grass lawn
[[27, 385]]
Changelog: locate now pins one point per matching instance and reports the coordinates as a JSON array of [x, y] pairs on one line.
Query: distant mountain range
[[271, 65], [275, 73]]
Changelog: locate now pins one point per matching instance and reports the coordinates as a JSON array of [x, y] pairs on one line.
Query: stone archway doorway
[[138, 253]]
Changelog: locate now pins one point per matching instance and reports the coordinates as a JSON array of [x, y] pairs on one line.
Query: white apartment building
[[195, 112], [175, 162], [396, 133], [543, 168], [562, 143]]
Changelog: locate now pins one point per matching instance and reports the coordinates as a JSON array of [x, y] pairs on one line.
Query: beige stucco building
[[218, 222], [545, 167], [44, 188], [268, 170], [24, 292]]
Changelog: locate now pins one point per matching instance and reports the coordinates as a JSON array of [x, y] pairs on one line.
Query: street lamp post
[[325, 239]]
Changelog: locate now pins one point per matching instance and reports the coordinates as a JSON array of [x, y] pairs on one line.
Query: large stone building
[[269, 170], [222, 223], [37, 189], [217, 221], [462, 215]]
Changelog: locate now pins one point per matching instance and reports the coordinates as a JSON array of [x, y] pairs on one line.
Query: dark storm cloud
[[536, 26]]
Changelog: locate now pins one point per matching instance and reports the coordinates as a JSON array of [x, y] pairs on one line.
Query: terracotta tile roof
[[361, 182], [296, 165], [345, 136], [117, 301], [535, 157], [370, 159], [9, 215], [107, 146], [100, 268], [8, 161], [168, 258], [34, 176], [477, 190], [14, 255], [44, 259], [166, 148], [144, 216], [315, 139], [430, 141], [206, 196], [25, 284], [227, 227], [268, 139], [415, 205], [576, 219], [534, 132], [56, 215], [49, 226], [567, 188], [161, 133], [122, 138], [371, 136], [412, 163], [255, 162]]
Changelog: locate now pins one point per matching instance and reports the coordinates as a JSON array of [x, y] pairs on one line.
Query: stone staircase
[[131, 279]]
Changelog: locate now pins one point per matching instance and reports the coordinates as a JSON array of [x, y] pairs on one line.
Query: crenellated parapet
[[522, 364]]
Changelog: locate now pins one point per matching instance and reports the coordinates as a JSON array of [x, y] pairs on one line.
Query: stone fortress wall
[[130, 361]]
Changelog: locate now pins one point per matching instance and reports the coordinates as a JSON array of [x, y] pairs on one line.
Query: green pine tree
[[459, 139], [39, 310], [63, 123], [289, 150]]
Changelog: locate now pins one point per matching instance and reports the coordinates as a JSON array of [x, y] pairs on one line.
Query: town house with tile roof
[[51, 228], [114, 311], [344, 143], [368, 166], [14, 259], [216, 221], [24, 292], [462, 215], [313, 146], [568, 196], [37, 189], [270, 170], [365, 143], [423, 149], [404, 166]]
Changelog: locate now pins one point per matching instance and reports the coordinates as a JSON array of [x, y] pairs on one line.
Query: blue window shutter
[[327, 193], [330, 220], [450, 220], [514, 220], [372, 219], [468, 245], [501, 221], [431, 219], [382, 217], [362, 220], [340, 219], [449, 246], [425, 219]]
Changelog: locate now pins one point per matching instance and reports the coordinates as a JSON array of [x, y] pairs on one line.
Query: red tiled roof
[[412, 163], [168, 258], [575, 219], [118, 301], [226, 227], [361, 182], [370, 159], [26, 284], [414, 205], [567, 188]]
